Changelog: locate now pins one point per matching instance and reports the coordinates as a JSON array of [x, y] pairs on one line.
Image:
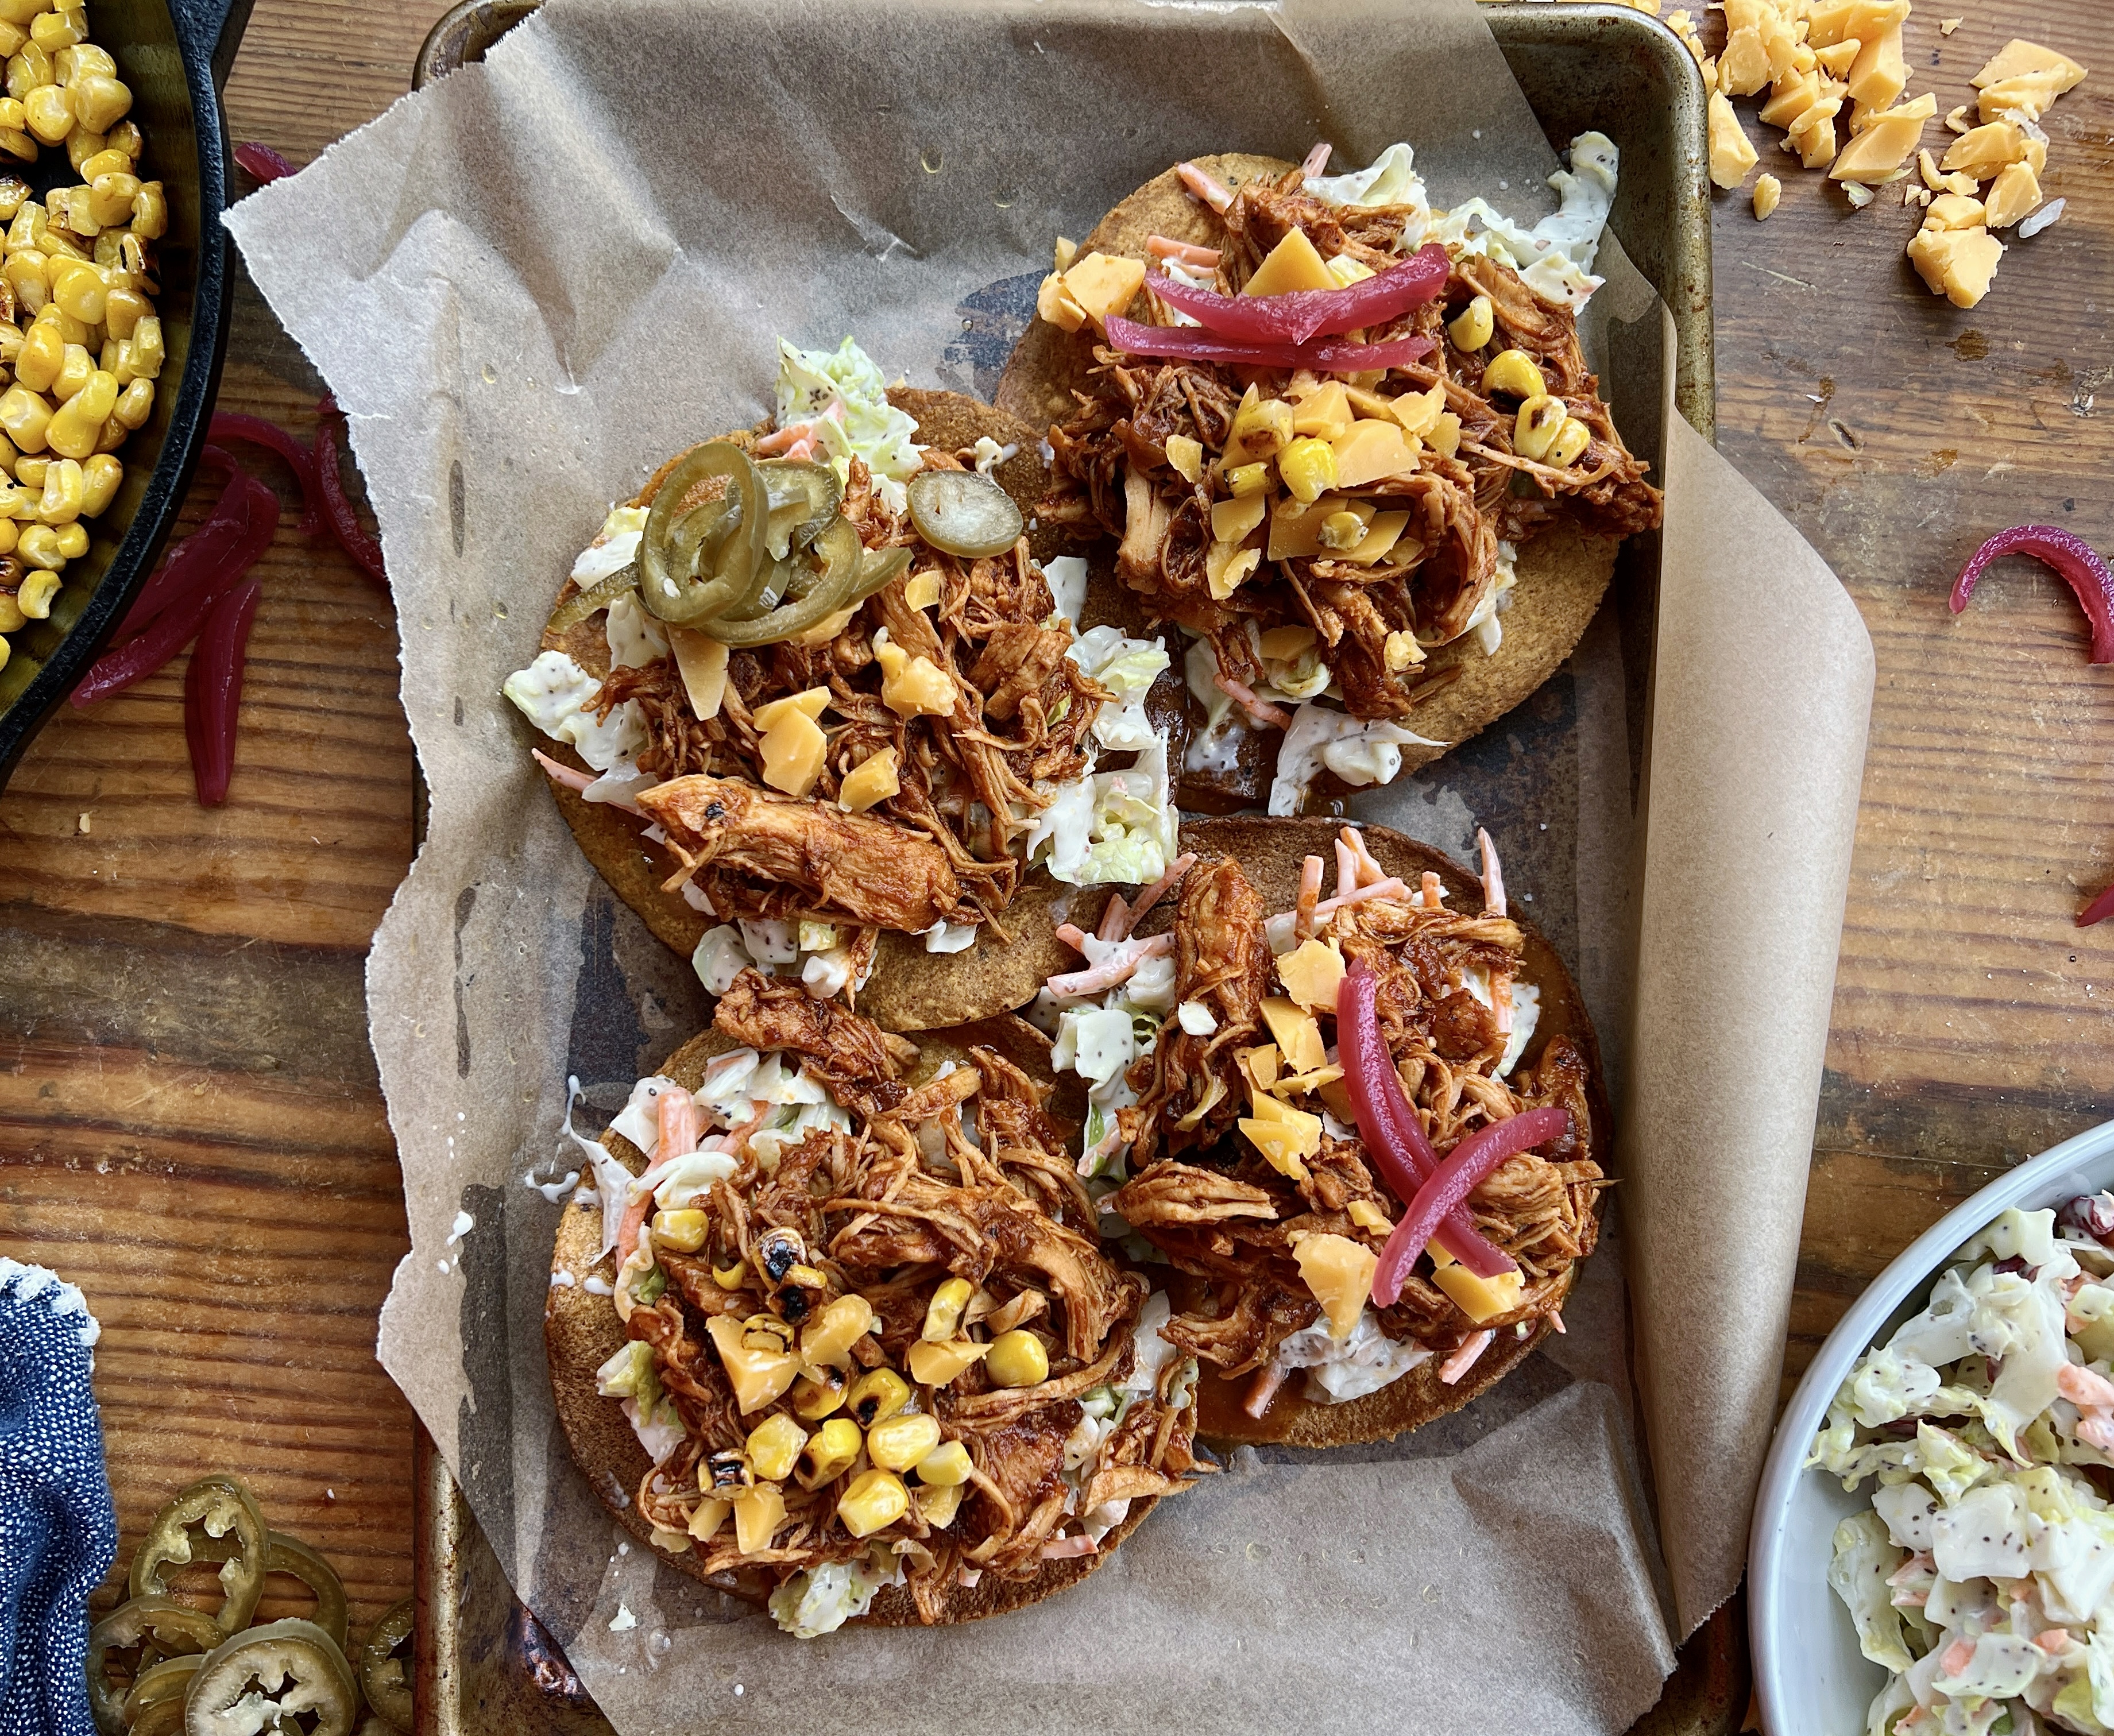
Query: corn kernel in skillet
[[77, 424], [110, 196], [50, 110], [78, 289], [61, 498], [99, 477], [54, 32], [34, 598], [24, 417], [9, 532], [28, 67], [37, 364], [135, 403], [69, 63], [99, 101], [147, 354], [73, 541], [122, 311], [30, 472], [76, 367]]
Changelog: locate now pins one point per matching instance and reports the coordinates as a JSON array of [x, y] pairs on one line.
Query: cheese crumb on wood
[[1947, 27], [1768, 191], [1884, 143], [2015, 193], [1955, 263], [1731, 154]]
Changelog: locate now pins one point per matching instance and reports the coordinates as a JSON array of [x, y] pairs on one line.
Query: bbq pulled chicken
[[1166, 455], [985, 716], [895, 1347], [1231, 1207]]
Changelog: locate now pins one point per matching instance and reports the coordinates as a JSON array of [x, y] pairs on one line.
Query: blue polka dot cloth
[[58, 1533]]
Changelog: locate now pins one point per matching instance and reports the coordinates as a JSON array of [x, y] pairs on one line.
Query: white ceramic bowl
[[1811, 1676]]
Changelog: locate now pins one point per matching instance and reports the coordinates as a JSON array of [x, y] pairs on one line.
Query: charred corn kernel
[[11, 619], [71, 61], [1472, 326], [766, 1332], [877, 1396], [1261, 427], [150, 212], [12, 36], [1569, 447], [13, 116], [1343, 530], [29, 67], [944, 1466], [899, 1443], [123, 308], [73, 541], [9, 532], [26, 417], [943, 1313], [817, 1394], [110, 199], [18, 144], [13, 190], [1514, 371], [1018, 1358], [99, 101], [1186, 456], [75, 370], [30, 472], [937, 1364], [1444, 438], [114, 435], [49, 109], [79, 289], [127, 138], [758, 1514], [146, 354], [1308, 467], [1535, 428], [76, 426], [774, 1445], [43, 350], [56, 32], [132, 254], [938, 1503], [706, 1518], [35, 597], [828, 1453], [99, 477], [682, 1231], [827, 1340], [26, 270], [1403, 651], [875, 778], [98, 163], [875, 1499], [63, 492], [1247, 479], [25, 225]]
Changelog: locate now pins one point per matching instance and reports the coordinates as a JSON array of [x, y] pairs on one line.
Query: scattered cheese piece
[[1064, 253], [1367, 1215], [1885, 142], [1226, 566], [1983, 150], [1284, 1144], [921, 590], [1186, 456], [873, 779], [1947, 27], [1287, 644], [1311, 974], [1102, 284], [701, 661], [1879, 74], [793, 749], [1838, 61], [1481, 1299], [1954, 210], [1292, 264], [1232, 520], [1955, 263], [912, 686], [1298, 1035], [1367, 451], [1744, 67], [812, 702], [1957, 120], [2015, 193], [1866, 19], [2021, 58], [1927, 167], [1325, 411], [1259, 1065], [1339, 1271], [1380, 537], [1731, 154]]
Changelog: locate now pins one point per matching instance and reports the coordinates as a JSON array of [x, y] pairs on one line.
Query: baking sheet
[[529, 284]]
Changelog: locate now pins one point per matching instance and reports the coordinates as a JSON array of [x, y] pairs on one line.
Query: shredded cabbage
[[865, 425], [1363, 1362], [1111, 825], [558, 696], [1128, 668], [1358, 752]]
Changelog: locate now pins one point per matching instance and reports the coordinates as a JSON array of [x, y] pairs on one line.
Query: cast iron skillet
[[175, 54]]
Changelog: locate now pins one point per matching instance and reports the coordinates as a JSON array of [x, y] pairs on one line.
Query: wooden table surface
[[189, 1123]]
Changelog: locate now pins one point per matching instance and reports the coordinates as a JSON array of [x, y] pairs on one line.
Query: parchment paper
[[529, 284]]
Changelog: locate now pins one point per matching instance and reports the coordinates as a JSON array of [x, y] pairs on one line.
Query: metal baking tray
[[483, 1662]]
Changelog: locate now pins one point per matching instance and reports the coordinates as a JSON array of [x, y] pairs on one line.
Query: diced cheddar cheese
[[1298, 1085], [1879, 75], [1186, 457], [1326, 411], [1956, 263], [1054, 302], [913, 686], [1231, 520], [1337, 1095], [2023, 79], [757, 1375], [1367, 451], [1419, 412], [2018, 56], [1743, 68], [1838, 61], [921, 590], [1311, 974], [1100, 285], [1286, 1137], [758, 1514], [1339, 1272], [1886, 143], [1380, 537], [1768, 190], [1298, 1035], [1479, 1299], [1347, 271], [701, 661], [793, 750], [1812, 134], [1985, 151], [1227, 567], [1952, 211], [1731, 154], [706, 1518], [1260, 1064], [1865, 20], [2016, 192], [1283, 644], [1927, 167], [935, 1364], [1295, 528], [1445, 435], [1790, 98], [1367, 1215], [1292, 264], [811, 703], [874, 778]]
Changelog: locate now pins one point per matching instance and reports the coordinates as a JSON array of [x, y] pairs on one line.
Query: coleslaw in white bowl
[[1811, 1672]]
